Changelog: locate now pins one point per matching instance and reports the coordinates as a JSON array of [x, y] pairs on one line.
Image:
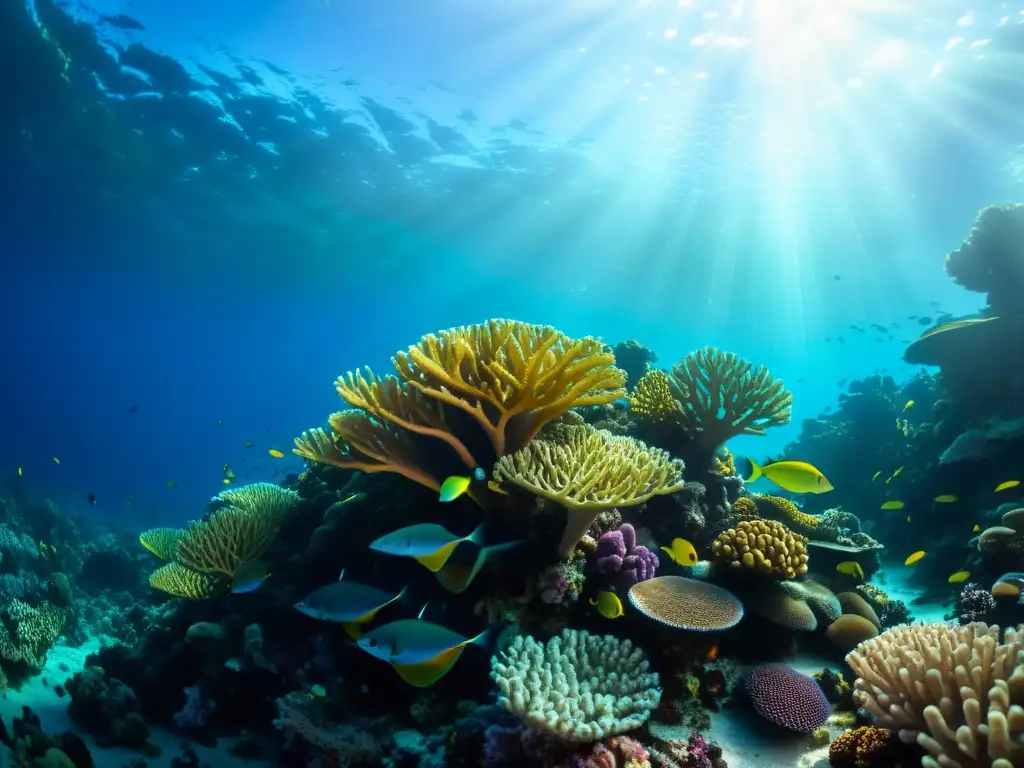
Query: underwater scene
[[454, 384]]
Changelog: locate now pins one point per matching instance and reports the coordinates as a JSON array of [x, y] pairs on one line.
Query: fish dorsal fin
[[435, 561], [422, 610], [428, 672]]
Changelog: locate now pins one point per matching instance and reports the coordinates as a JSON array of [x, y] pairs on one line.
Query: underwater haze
[[351, 344]]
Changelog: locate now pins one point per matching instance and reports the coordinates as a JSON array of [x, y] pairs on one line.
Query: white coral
[[578, 686]]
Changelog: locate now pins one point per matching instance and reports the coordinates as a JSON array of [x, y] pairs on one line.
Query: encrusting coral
[[589, 471], [766, 547], [509, 377], [957, 691], [578, 686]]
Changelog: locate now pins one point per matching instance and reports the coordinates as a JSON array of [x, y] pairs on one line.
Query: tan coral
[[175, 579], [588, 472], [683, 603], [763, 546]]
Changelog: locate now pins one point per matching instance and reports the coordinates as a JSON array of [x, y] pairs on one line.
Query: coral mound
[[763, 546], [577, 686], [684, 603], [957, 691], [866, 747], [787, 698]]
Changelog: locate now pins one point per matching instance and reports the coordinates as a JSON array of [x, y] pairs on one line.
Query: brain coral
[[787, 698], [782, 607], [684, 603], [849, 631], [764, 546]]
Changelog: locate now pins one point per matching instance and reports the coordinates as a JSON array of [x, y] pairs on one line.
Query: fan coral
[[957, 691], [617, 553], [579, 686], [589, 472], [682, 603], [763, 546], [787, 698]]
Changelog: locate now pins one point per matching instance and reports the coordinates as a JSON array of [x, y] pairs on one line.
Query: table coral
[[682, 603]]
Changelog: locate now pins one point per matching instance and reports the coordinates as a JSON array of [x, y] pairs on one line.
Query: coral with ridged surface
[[765, 547], [788, 698]]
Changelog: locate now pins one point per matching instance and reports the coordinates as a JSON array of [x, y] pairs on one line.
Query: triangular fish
[[456, 577]]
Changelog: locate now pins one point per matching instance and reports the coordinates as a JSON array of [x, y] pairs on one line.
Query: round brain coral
[[683, 603], [764, 546], [787, 698], [745, 508], [850, 630]]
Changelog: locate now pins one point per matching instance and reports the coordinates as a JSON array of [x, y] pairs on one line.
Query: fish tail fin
[[488, 637], [755, 471], [477, 536], [401, 595], [423, 610]]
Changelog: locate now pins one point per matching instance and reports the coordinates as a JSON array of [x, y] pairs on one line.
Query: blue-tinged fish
[[348, 603], [456, 577], [421, 652], [249, 577], [429, 544]]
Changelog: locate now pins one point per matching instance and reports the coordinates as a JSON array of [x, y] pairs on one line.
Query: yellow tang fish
[[608, 604], [910, 404], [876, 475], [1003, 486], [226, 481], [898, 472], [946, 498], [419, 651], [959, 576], [976, 528], [851, 568], [794, 476], [893, 505], [914, 557], [427, 543], [681, 552], [276, 453]]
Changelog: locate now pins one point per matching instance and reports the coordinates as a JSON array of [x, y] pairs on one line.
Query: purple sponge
[[619, 555]]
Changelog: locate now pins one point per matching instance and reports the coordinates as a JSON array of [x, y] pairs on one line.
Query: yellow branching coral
[[227, 539], [657, 397], [784, 509], [764, 546], [725, 464], [957, 691], [588, 471], [263, 499], [175, 579], [728, 396], [162, 542]]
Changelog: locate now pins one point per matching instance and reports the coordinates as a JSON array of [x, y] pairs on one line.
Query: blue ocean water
[[212, 210]]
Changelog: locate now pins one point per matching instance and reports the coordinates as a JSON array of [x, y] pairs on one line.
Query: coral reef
[[787, 698], [617, 555], [764, 547]]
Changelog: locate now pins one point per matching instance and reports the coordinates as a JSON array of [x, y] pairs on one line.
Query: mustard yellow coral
[[175, 579], [777, 507], [227, 539], [764, 546], [587, 471], [162, 542], [725, 464], [745, 508], [656, 397]]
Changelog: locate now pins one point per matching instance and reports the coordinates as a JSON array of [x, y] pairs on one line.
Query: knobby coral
[[589, 471], [763, 546]]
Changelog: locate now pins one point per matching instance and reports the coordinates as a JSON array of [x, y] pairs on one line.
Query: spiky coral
[[656, 397], [162, 542], [510, 377], [588, 472], [27, 632], [175, 579]]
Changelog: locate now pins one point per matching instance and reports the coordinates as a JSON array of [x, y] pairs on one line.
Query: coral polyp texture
[[577, 686], [865, 747], [180, 581], [765, 547], [657, 397], [506, 377], [588, 471], [683, 603], [162, 542], [788, 698], [957, 691]]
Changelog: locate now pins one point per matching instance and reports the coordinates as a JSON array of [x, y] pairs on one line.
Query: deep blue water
[[212, 210]]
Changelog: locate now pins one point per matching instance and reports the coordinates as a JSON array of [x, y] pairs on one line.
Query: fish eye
[[693, 557], [819, 479]]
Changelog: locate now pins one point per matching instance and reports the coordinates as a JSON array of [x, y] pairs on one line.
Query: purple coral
[[619, 555]]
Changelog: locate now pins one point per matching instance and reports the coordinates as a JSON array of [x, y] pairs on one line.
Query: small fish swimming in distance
[[851, 568], [681, 552], [898, 472], [353, 497], [172, 484], [276, 453], [915, 557], [794, 476], [946, 498], [317, 691], [428, 543], [893, 505], [249, 577], [608, 604], [247, 444], [19, 472], [91, 498], [976, 528], [713, 653], [133, 409], [910, 404], [1003, 486], [959, 576], [56, 461], [876, 475]]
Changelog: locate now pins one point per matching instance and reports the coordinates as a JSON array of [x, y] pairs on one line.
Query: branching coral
[[162, 542], [588, 472], [175, 579], [578, 686], [762, 546], [957, 691], [657, 397], [27, 633]]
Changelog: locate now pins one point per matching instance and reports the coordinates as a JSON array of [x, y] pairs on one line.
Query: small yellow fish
[[893, 505], [906, 431], [976, 529], [794, 476], [1003, 486], [908, 518], [681, 552], [876, 475], [454, 486], [493, 486], [276, 453], [910, 404], [317, 691], [56, 461], [946, 498], [172, 484], [914, 557], [959, 576], [19, 471], [230, 475], [608, 604], [851, 568], [226, 481], [898, 472]]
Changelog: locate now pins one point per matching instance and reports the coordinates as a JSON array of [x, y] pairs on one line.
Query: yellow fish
[[910, 404], [427, 543], [898, 472], [681, 552], [794, 476], [493, 486], [893, 505], [354, 497], [454, 487], [419, 651], [608, 604], [914, 557], [976, 529], [876, 475], [1004, 486], [226, 481], [56, 461], [908, 518], [851, 568], [946, 498], [276, 453], [959, 576], [456, 577]]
